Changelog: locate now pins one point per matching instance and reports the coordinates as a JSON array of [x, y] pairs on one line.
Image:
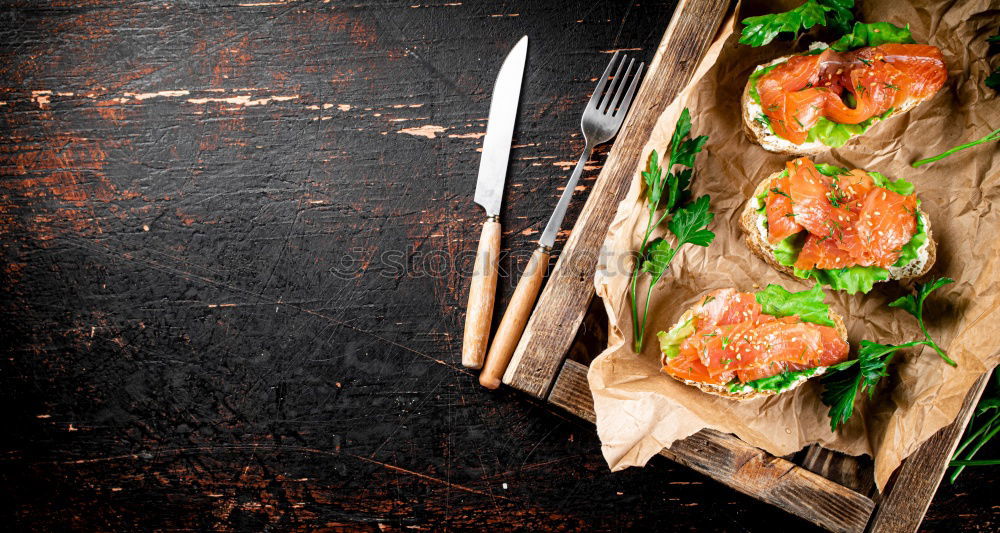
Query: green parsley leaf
[[839, 391], [689, 222], [807, 305], [841, 385], [683, 150], [914, 304], [652, 178], [980, 433], [872, 34], [993, 80], [673, 190], [679, 188], [763, 29], [658, 255]]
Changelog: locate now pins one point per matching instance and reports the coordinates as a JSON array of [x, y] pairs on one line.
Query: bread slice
[[762, 134], [751, 222], [723, 390]]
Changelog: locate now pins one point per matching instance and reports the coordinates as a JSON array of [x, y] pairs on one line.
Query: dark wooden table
[[236, 238]]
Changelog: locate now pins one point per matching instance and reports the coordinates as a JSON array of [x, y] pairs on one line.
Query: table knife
[[489, 192]]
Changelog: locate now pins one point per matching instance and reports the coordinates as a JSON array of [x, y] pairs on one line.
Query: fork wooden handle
[[482, 291], [514, 319]]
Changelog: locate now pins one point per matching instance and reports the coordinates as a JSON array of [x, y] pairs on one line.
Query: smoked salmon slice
[[848, 87], [886, 222], [780, 218], [848, 219], [734, 339]]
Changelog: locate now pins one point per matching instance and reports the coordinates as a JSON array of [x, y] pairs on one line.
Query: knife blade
[[489, 193], [500, 130]]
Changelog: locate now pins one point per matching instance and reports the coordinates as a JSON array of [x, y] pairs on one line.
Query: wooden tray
[[830, 489]]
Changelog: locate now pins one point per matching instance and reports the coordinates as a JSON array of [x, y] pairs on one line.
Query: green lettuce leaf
[[807, 305], [670, 341], [778, 383], [829, 170], [872, 34], [787, 251], [899, 186], [756, 75], [834, 134], [909, 252], [851, 279]]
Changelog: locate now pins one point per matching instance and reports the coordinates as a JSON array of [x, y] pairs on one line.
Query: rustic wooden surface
[[229, 294]]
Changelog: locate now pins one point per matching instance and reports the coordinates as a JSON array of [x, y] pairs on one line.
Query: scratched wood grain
[[235, 238]]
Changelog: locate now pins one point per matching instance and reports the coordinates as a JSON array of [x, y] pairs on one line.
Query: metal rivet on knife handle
[[514, 319], [479, 312]]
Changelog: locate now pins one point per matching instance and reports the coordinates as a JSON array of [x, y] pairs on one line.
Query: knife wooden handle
[[482, 290], [514, 319]]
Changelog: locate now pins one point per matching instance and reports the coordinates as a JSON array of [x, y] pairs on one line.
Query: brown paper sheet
[[640, 411]]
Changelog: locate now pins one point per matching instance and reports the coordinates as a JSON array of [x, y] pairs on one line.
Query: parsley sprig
[[993, 136], [988, 417], [914, 304], [842, 384], [763, 29], [669, 195]]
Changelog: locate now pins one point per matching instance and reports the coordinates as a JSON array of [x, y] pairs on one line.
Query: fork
[[601, 121]]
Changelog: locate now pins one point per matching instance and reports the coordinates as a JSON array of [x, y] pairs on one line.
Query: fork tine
[[627, 99], [609, 96], [619, 89], [604, 81]]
